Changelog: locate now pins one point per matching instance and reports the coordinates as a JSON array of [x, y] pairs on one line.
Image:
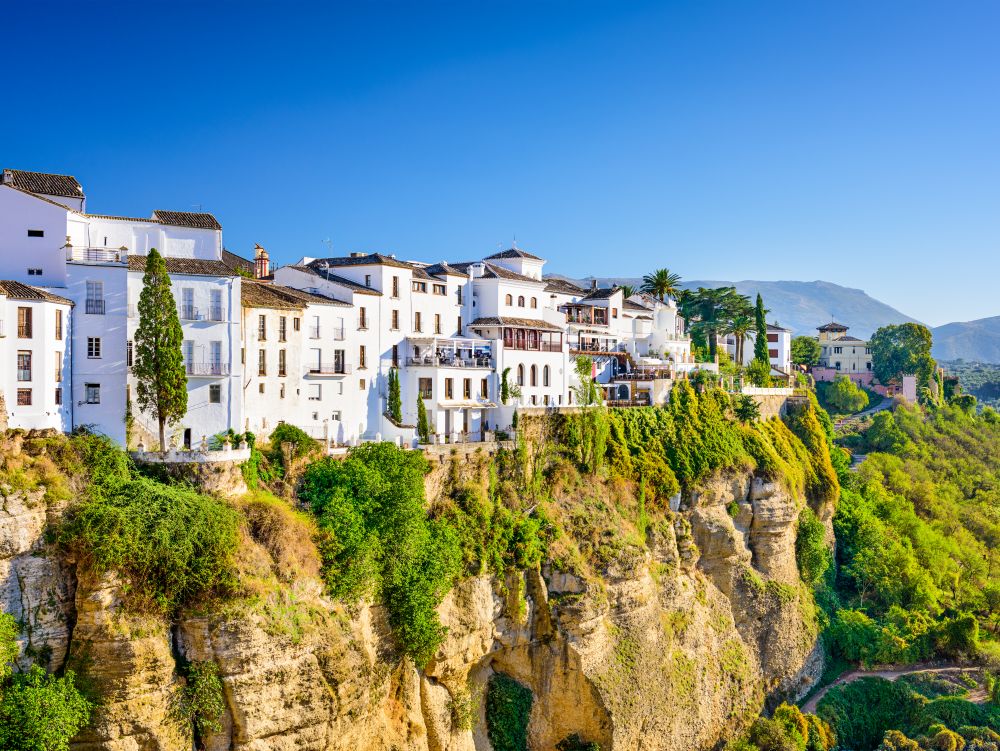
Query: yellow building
[[843, 353]]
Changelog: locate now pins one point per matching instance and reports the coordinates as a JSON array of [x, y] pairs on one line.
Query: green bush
[[38, 711], [286, 433], [811, 551], [171, 545], [845, 397], [575, 743], [376, 537], [508, 709], [862, 711], [202, 701]]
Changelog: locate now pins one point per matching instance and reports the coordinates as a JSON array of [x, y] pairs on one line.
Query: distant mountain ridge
[[977, 340], [799, 306]]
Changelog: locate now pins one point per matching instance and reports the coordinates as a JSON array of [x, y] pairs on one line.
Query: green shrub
[[301, 443], [811, 551], [202, 702], [575, 743], [845, 397], [862, 711], [508, 709]]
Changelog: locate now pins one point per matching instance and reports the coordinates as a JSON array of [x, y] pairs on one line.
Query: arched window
[[534, 375], [545, 376], [520, 375], [534, 302], [520, 301], [509, 299]]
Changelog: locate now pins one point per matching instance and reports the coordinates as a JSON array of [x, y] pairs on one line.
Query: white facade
[[779, 348]]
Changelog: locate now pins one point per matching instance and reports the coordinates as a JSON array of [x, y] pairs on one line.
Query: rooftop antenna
[[514, 246], [329, 245]]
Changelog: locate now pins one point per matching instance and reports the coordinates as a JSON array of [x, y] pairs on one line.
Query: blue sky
[[856, 142]]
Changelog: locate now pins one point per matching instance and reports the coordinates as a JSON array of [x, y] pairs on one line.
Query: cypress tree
[[760, 342], [395, 400], [161, 377], [423, 426]]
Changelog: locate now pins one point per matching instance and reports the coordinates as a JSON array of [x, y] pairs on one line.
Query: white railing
[[96, 255]]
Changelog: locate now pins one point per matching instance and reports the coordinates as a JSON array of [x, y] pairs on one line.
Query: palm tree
[[715, 309], [627, 291], [661, 283], [739, 326]]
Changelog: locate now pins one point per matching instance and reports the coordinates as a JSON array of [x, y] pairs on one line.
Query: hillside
[[969, 340], [802, 306]]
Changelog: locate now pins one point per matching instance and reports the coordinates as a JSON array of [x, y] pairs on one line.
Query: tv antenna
[[329, 245]]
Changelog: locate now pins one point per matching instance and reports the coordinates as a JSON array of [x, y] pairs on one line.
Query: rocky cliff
[[678, 639]]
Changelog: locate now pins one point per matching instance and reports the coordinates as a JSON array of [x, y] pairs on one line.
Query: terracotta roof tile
[[555, 284], [495, 272], [195, 266], [198, 220], [43, 182], [237, 263], [514, 253], [371, 259], [521, 323], [832, 326], [19, 291], [353, 286]]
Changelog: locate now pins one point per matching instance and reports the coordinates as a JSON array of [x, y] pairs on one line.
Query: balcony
[[216, 313], [338, 333], [97, 255], [189, 313], [434, 361], [314, 332], [95, 307], [329, 369], [207, 369]]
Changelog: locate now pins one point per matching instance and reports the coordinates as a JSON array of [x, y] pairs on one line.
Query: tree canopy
[[902, 349], [760, 325], [159, 370], [661, 283], [805, 350]]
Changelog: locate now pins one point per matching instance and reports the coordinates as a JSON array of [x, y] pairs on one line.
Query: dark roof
[[443, 269], [849, 339], [371, 259], [237, 263], [555, 284], [523, 323], [773, 327], [360, 288], [832, 326], [514, 253], [602, 294], [495, 272], [194, 266], [42, 182], [19, 291], [629, 305], [313, 298], [195, 219], [260, 295]]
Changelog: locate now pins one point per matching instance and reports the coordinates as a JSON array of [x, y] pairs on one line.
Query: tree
[[805, 350], [161, 377], [903, 349], [661, 283], [627, 291], [760, 324], [508, 389], [746, 409], [713, 309], [587, 392], [395, 405], [759, 373], [423, 426], [843, 395], [739, 326], [38, 711]]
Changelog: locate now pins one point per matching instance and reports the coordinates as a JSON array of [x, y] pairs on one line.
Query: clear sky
[[857, 142]]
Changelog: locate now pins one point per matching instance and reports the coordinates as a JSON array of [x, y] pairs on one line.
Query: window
[[281, 391], [484, 388], [59, 396], [296, 324], [509, 300], [59, 366], [215, 394], [534, 375], [36, 233], [24, 366], [262, 362], [24, 323], [315, 392], [772, 338], [459, 325], [534, 302], [837, 365], [368, 280], [449, 388], [95, 298], [545, 376], [314, 327], [262, 328], [440, 289], [395, 321], [458, 291], [260, 388], [93, 347], [362, 319], [425, 386], [838, 350], [92, 393], [395, 286], [282, 329], [420, 286], [188, 311], [520, 301], [215, 309], [335, 416], [467, 388], [362, 358], [187, 348], [24, 397], [129, 350], [417, 324], [772, 353], [34, 272], [437, 323], [614, 312], [520, 375], [338, 361], [59, 324], [361, 384], [281, 362], [395, 355]]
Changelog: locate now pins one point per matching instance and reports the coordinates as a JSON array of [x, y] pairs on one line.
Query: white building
[[779, 349], [35, 348]]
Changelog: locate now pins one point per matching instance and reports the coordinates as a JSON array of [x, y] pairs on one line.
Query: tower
[[261, 262]]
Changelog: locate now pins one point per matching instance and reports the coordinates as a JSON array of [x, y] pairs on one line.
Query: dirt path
[[886, 403], [891, 675]]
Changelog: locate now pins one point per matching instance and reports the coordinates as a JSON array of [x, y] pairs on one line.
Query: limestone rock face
[[672, 649]]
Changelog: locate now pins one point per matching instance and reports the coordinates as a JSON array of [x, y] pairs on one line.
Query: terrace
[[450, 352]]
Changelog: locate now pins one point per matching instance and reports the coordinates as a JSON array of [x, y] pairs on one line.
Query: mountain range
[[802, 306]]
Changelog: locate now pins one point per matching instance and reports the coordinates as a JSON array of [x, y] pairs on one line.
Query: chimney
[[261, 262], [593, 284]]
